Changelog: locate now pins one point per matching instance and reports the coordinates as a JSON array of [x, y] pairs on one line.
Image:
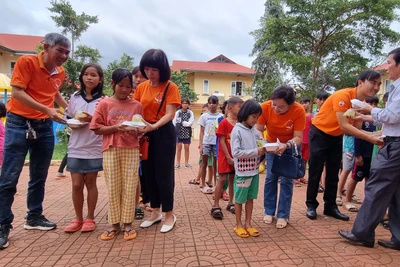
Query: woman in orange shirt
[[284, 119], [160, 98]]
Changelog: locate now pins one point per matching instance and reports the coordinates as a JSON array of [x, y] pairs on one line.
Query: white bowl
[[357, 103]]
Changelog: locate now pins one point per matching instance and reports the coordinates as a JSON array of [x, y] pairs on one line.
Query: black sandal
[[216, 212], [231, 208], [139, 214]]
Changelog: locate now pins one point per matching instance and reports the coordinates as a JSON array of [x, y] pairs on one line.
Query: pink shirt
[[2, 135], [110, 112]]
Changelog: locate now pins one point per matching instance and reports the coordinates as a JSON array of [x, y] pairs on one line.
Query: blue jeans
[[16, 147], [271, 191]]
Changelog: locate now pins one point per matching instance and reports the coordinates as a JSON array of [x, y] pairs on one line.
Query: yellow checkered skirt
[[121, 174]]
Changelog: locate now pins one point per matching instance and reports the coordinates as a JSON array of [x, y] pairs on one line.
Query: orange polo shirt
[[282, 126], [31, 75], [339, 101], [150, 97]]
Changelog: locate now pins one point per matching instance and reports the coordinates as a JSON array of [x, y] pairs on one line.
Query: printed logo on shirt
[[56, 82], [289, 124], [158, 97], [341, 103]]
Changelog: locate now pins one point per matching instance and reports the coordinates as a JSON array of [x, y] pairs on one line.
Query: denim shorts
[[84, 165], [210, 150]]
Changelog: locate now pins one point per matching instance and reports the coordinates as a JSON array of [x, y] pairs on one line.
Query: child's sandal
[[231, 208], [241, 232]]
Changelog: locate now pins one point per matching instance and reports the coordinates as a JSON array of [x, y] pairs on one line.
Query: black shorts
[[361, 172]]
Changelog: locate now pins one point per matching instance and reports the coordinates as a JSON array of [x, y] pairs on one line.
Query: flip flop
[[241, 232], [130, 234], [350, 207], [109, 234], [253, 232], [194, 182]]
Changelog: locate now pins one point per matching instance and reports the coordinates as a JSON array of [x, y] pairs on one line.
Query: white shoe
[[166, 228], [148, 223]]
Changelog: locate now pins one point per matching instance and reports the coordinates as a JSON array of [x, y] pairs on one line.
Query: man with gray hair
[[35, 82]]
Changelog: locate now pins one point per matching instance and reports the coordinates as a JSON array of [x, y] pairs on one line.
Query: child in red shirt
[[226, 169]]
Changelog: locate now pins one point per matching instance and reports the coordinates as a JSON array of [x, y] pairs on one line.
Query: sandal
[[253, 232], [209, 184], [231, 208], [129, 234], [139, 213], [385, 224], [207, 190], [281, 223], [339, 200], [241, 232], [109, 234], [89, 225], [147, 207], [194, 182], [356, 199], [268, 219], [321, 189], [303, 181], [74, 226], [225, 196], [350, 207], [216, 213]]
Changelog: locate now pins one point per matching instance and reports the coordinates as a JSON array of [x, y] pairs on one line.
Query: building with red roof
[[386, 82], [219, 76], [12, 46]]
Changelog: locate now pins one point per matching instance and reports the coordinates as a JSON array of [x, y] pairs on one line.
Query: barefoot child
[[120, 153], [245, 153], [226, 169], [84, 147]]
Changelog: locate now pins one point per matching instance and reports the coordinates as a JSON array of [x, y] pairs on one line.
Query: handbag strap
[[163, 99], [294, 149]]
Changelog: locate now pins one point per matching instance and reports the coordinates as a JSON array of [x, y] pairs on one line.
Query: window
[[206, 87], [387, 85], [12, 64], [237, 88]]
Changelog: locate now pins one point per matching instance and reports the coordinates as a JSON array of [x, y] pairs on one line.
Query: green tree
[[324, 44], [266, 65], [179, 78], [125, 61], [71, 22]]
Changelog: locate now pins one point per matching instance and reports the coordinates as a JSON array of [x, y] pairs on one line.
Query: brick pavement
[[197, 239]]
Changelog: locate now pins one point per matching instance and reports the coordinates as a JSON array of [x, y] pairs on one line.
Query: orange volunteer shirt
[[282, 126], [150, 97], [31, 75], [339, 101]]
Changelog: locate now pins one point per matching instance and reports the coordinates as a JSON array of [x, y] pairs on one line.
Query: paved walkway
[[197, 239]]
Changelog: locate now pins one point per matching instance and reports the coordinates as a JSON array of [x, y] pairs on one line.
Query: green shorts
[[245, 188], [210, 161]]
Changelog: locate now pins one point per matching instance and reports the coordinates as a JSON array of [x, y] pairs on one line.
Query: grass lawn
[[59, 151]]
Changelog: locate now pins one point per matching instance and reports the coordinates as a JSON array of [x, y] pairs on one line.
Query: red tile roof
[[197, 66], [384, 66], [19, 43]]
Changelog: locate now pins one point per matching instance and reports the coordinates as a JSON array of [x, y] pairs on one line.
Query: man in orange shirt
[[325, 139], [35, 82]]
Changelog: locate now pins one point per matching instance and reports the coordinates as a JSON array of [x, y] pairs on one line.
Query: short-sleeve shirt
[[282, 126], [224, 129], [339, 101], [111, 112], [209, 122], [31, 75], [83, 143], [151, 96], [309, 118]]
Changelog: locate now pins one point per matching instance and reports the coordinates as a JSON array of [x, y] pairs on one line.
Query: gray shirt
[[390, 115]]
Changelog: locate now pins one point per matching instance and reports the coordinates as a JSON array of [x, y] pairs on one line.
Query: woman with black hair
[[160, 98]]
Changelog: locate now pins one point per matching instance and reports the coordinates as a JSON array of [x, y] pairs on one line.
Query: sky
[[184, 29]]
